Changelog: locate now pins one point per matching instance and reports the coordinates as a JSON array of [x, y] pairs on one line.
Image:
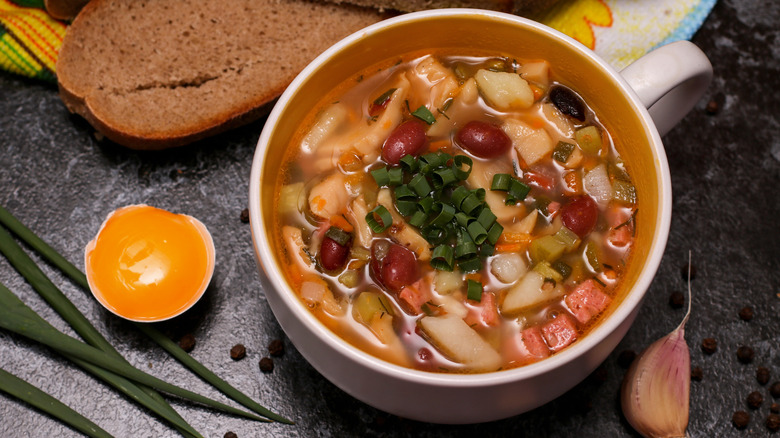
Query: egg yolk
[[148, 264]]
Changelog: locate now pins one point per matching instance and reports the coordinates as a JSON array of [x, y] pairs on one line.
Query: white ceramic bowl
[[453, 398]]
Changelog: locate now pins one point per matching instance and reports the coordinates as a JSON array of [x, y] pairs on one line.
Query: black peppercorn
[[245, 215], [625, 358], [231, 435], [755, 399], [762, 375], [714, 105], [775, 390], [697, 374], [746, 313], [676, 299], [266, 364], [773, 422], [740, 419], [709, 345], [775, 408], [276, 348], [745, 354], [187, 342], [238, 352]]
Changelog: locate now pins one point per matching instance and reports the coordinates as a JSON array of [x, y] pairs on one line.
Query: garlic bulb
[[656, 389]]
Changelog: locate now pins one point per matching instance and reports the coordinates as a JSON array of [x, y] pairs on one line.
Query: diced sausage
[[560, 332], [586, 301]]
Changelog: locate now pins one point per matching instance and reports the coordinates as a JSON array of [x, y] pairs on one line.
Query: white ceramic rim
[[326, 336]]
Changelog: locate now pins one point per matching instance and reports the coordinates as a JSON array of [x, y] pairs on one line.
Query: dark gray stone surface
[[725, 167]]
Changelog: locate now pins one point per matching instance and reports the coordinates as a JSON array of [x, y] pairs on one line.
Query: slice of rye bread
[[64, 9], [162, 73]]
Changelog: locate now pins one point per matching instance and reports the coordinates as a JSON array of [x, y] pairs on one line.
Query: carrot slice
[[340, 222], [510, 247]]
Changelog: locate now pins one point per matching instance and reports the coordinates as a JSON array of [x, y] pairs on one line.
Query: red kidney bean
[[483, 139], [568, 103], [408, 138], [398, 267], [580, 215], [332, 255]]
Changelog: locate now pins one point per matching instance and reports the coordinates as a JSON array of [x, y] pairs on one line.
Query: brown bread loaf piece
[[162, 73], [64, 9]]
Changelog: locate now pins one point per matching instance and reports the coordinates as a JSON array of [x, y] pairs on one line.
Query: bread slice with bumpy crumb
[[162, 73]]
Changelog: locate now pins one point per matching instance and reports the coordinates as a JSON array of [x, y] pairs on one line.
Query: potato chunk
[[532, 144], [504, 91], [461, 343], [528, 292]]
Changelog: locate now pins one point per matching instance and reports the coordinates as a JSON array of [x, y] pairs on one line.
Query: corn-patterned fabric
[[619, 30], [29, 39]]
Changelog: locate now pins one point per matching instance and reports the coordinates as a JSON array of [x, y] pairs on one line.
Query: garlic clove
[[655, 394], [656, 388]]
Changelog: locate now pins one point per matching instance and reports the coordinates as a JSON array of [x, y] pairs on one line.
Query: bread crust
[[167, 104]]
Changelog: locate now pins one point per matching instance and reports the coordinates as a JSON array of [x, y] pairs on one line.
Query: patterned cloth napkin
[[620, 31]]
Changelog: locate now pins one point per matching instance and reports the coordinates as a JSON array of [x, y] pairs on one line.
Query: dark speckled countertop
[[725, 167]]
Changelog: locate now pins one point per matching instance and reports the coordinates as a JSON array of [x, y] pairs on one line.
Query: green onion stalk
[[69, 312]]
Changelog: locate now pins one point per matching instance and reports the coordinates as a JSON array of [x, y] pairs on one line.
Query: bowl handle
[[669, 81]]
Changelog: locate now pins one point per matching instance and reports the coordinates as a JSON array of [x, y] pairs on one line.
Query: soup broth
[[455, 213]]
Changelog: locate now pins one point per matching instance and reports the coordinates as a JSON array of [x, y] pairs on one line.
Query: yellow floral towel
[[29, 39], [621, 31], [618, 30]]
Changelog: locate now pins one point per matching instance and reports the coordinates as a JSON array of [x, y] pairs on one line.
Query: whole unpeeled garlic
[[655, 394]]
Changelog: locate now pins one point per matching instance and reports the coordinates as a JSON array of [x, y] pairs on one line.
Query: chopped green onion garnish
[[457, 163], [518, 190], [473, 264], [470, 204], [409, 163], [458, 195], [430, 162], [446, 213], [435, 235], [486, 218], [420, 185], [426, 204], [381, 176], [474, 290], [444, 177], [406, 207], [418, 218], [396, 175], [487, 249], [404, 192], [442, 258], [477, 232], [465, 247], [501, 181], [425, 115], [379, 219], [494, 232], [463, 219]]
